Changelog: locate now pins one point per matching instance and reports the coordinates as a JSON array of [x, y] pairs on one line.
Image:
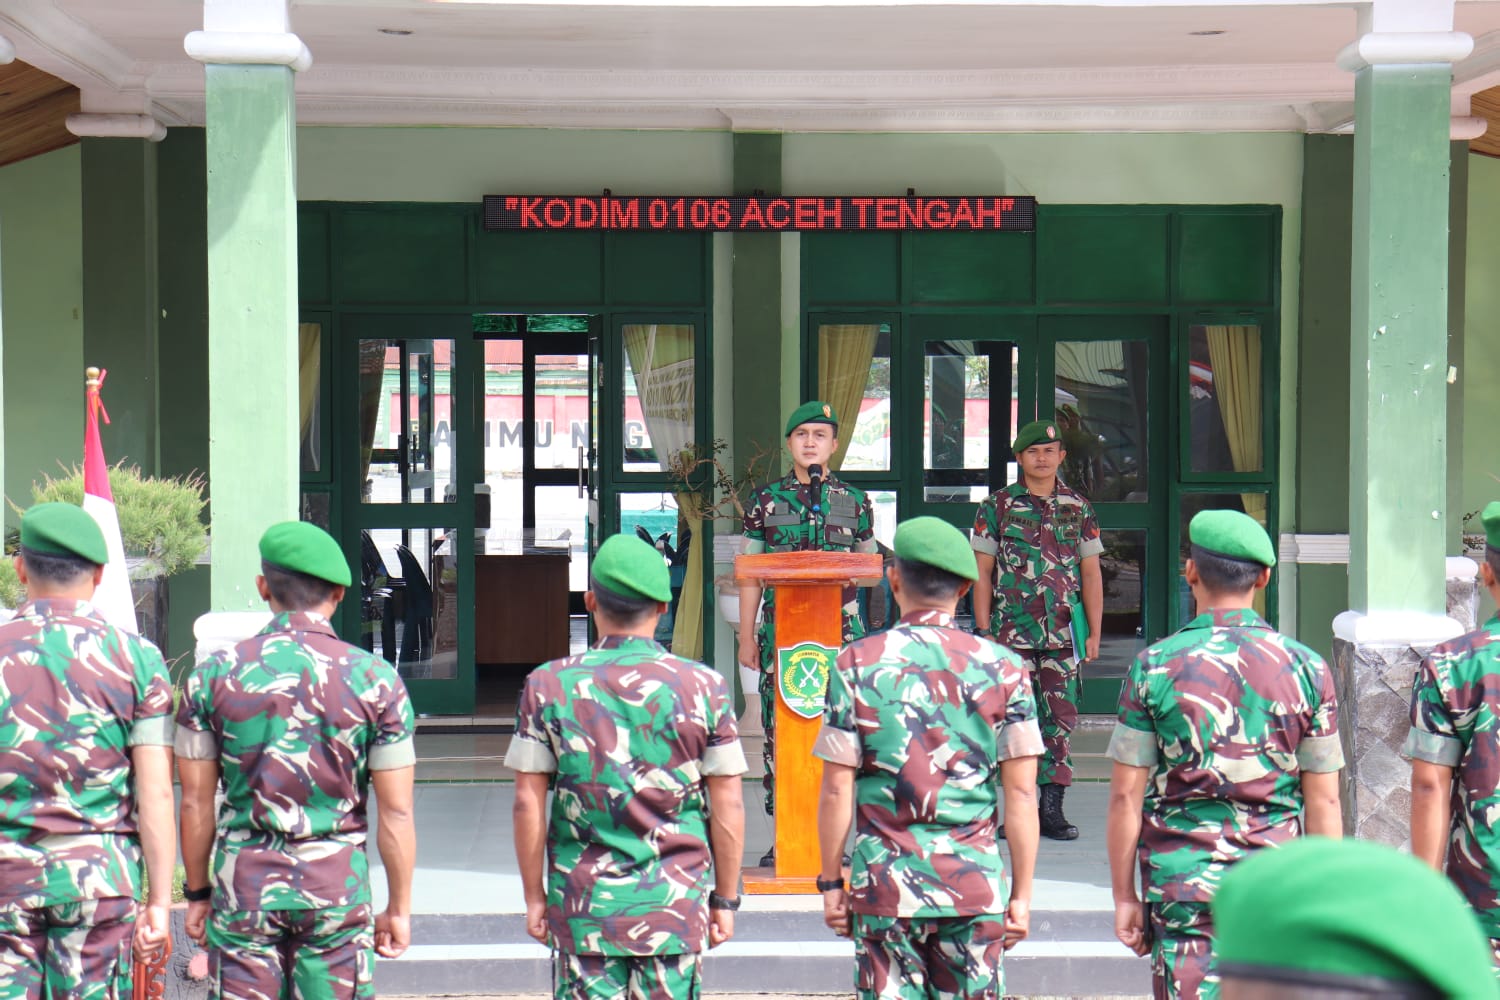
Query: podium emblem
[[802, 677]]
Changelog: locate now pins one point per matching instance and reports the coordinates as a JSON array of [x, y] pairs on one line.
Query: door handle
[[582, 489]]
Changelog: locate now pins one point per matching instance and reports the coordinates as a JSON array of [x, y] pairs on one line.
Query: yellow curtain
[[845, 352], [309, 360], [662, 360], [1234, 353]]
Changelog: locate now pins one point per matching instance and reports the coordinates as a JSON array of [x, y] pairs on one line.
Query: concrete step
[[1069, 953]]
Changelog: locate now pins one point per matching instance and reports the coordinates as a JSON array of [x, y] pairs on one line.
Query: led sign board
[[762, 213]]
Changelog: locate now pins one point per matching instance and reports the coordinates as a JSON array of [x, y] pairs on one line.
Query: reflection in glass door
[[1109, 406], [412, 528]]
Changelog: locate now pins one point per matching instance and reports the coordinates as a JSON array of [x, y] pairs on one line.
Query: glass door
[[412, 525], [1109, 377], [531, 545]]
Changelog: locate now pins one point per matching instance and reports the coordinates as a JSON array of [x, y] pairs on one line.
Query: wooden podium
[[809, 631]]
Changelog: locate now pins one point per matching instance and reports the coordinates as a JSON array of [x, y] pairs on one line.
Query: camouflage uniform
[[1038, 544], [76, 694], [1455, 722], [628, 732], [297, 720], [779, 519], [1225, 715], [927, 713]]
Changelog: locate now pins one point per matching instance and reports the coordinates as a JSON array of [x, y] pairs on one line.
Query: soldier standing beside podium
[[809, 509], [1037, 544]]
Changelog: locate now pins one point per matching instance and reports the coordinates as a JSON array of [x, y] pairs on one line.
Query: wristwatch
[[981, 631], [718, 902], [828, 885], [197, 895]]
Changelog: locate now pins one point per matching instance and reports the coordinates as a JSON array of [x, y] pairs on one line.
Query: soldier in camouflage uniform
[[638, 870], [1227, 742], [299, 725], [783, 518], [85, 750], [923, 722], [1455, 734], [1038, 545]]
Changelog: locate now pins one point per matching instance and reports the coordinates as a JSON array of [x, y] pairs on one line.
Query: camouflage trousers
[[626, 977], [1182, 952], [323, 954], [80, 950], [1058, 685], [929, 958]]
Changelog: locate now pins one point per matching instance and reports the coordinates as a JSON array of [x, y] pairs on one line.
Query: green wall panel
[[658, 269], [1225, 258], [313, 284], [970, 267], [1102, 256], [562, 267], [401, 257], [851, 267]]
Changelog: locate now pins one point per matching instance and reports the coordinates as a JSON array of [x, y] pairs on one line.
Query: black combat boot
[[1055, 825]]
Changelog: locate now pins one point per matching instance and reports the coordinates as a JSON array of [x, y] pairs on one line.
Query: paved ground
[[466, 855]]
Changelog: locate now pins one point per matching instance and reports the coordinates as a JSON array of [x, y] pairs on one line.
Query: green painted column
[[252, 314], [1398, 348], [120, 311], [757, 306]]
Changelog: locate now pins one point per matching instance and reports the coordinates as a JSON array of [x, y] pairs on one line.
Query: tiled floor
[[466, 855]]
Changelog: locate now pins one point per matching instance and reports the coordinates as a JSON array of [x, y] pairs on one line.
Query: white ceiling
[[783, 64]]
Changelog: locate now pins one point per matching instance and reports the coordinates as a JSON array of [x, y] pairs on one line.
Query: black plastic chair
[[377, 598], [416, 633]]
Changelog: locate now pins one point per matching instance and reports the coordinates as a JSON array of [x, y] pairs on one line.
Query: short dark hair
[[56, 569], [1492, 557], [926, 582], [620, 608], [293, 590], [1225, 575]]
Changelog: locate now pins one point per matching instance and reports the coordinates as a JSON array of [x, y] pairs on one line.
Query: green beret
[[937, 543], [63, 529], [1491, 519], [305, 548], [629, 567], [1036, 432], [1349, 908], [815, 412], [1232, 534]]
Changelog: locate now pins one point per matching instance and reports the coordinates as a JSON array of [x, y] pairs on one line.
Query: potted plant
[[722, 497], [161, 528]]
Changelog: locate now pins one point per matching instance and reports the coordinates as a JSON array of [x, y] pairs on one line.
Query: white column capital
[[7, 51], [250, 16], [116, 126], [248, 48], [1385, 48]]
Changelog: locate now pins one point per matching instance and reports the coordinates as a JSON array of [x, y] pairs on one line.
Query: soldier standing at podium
[[809, 509]]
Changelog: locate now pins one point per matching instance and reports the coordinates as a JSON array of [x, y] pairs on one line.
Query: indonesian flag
[[112, 599]]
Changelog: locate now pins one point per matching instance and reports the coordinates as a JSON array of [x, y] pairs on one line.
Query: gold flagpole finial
[[91, 375]]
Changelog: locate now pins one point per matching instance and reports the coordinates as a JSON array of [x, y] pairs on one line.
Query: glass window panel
[[654, 516], [562, 403], [1224, 399], [317, 508], [406, 438], [1101, 412], [1123, 634], [958, 411], [310, 394], [659, 374], [1253, 504], [854, 375], [409, 603]]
